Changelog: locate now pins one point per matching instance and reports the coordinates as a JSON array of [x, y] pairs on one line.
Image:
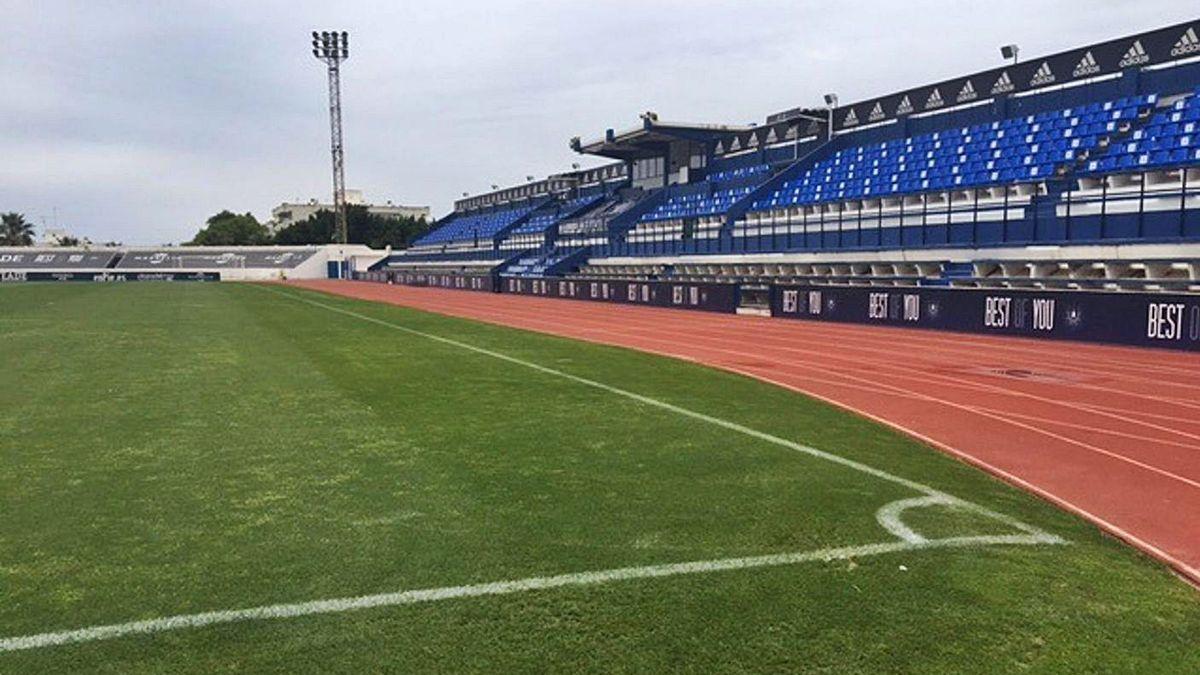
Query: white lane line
[[412, 597], [685, 412]]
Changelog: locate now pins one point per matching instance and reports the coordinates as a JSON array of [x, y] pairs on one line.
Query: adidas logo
[[934, 100], [1187, 44], [1087, 66], [1003, 84], [851, 119], [876, 113], [1043, 75], [1136, 55], [968, 93], [905, 107]]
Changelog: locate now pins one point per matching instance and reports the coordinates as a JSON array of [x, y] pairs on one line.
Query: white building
[[54, 236], [293, 212]]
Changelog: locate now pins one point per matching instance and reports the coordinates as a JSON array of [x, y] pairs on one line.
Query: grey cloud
[[136, 120]]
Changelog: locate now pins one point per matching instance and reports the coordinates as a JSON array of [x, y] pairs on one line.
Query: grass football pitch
[[230, 477]]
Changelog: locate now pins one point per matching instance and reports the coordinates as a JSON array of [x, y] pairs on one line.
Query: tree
[[230, 229], [317, 229], [14, 231], [69, 241], [362, 227]]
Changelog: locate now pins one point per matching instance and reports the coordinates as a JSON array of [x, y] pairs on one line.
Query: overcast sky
[[135, 121]]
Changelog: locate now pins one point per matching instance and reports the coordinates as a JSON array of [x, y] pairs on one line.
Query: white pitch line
[[889, 517], [685, 412], [412, 597]]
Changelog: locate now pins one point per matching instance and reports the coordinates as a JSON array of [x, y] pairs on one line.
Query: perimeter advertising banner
[[707, 297], [1141, 319], [466, 282], [107, 276]]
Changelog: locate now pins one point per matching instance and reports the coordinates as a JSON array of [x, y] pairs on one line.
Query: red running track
[[1109, 433]]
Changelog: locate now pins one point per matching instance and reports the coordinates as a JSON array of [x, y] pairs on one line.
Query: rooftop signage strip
[[1176, 42]]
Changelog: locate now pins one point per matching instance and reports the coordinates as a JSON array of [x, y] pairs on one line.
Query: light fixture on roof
[[575, 165], [1010, 52], [831, 102], [529, 178], [495, 187], [466, 194]]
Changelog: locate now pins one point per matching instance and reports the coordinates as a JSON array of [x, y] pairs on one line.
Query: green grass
[[172, 449]]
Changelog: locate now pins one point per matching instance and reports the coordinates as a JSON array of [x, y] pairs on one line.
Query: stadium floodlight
[[333, 47], [831, 102], [1010, 52]]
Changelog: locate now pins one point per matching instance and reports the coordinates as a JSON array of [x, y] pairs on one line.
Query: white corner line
[[338, 605]]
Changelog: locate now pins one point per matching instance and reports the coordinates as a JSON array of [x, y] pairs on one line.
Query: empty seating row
[[474, 227], [697, 204], [538, 265], [1170, 138], [1029, 148], [541, 222], [730, 175]]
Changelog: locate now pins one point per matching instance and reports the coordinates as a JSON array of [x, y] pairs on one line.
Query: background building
[[293, 212]]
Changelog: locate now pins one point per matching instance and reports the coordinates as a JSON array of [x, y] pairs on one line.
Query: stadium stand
[[58, 259], [184, 259], [1079, 170], [182, 262]]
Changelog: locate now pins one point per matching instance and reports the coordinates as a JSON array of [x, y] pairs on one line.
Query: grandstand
[[184, 263], [1075, 171]]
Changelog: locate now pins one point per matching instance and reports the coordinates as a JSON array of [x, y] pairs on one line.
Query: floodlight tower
[[333, 47]]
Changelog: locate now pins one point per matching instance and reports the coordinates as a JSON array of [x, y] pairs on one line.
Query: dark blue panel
[[1161, 225], [962, 233], [1085, 228], [889, 237], [937, 234], [1121, 226], [707, 297], [1141, 319]]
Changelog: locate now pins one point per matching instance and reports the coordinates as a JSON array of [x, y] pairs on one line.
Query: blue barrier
[[1139, 319], [679, 295], [466, 282]]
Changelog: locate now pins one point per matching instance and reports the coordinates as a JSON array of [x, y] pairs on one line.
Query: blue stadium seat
[[1026, 148]]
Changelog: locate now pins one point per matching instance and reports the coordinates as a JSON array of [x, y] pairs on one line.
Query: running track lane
[[1109, 433]]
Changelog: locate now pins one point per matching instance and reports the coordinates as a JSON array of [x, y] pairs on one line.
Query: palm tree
[[14, 231]]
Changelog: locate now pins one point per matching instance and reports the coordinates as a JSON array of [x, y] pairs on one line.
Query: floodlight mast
[[333, 47]]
